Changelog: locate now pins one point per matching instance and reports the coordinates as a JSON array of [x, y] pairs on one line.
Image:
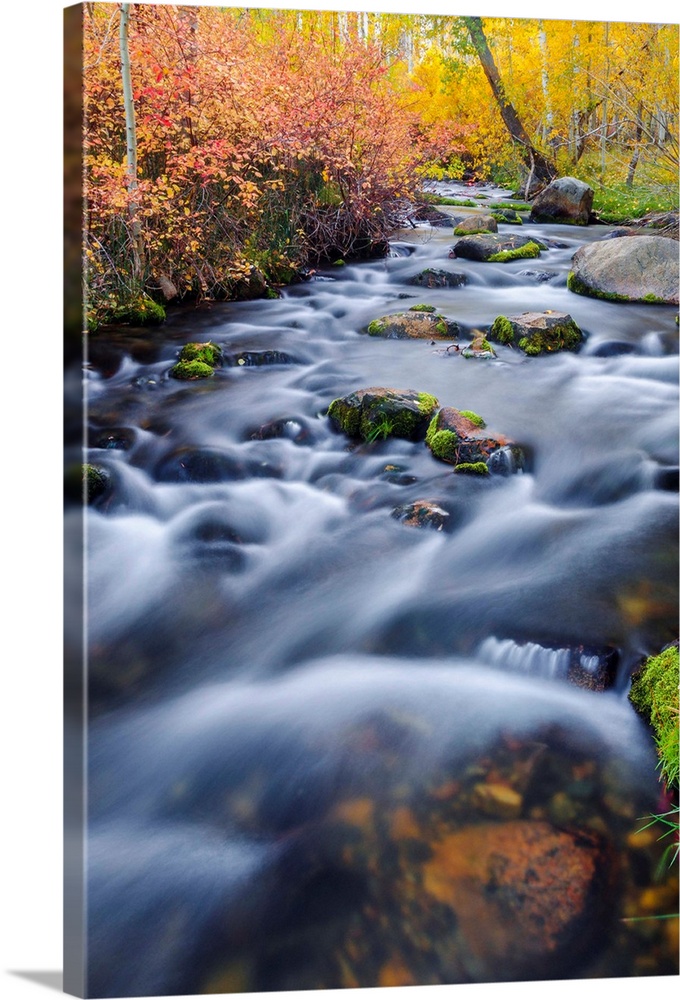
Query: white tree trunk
[[131, 139]]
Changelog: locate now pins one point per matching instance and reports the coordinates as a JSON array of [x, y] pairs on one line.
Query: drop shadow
[[50, 980]]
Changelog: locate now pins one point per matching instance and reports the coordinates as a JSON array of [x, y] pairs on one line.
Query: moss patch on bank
[[654, 693]]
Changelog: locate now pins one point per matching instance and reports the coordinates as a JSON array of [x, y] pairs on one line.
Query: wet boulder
[[497, 248], [86, 483], [436, 277], [634, 269], [377, 413], [537, 333], [507, 216], [413, 325], [460, 438], [421, 514], [565, 200], [476, 224]]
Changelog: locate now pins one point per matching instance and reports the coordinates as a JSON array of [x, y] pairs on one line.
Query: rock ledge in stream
[[635, 269], [459, 438], [413, 325], [538, 332], [497, 248], [197, 360], [377, 413]]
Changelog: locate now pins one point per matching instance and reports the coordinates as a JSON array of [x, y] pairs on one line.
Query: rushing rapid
[[269, 645]]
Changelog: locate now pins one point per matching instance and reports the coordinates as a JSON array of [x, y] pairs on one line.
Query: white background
[[30, 467]]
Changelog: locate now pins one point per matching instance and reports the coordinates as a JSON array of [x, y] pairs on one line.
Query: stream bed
[[330, 749]]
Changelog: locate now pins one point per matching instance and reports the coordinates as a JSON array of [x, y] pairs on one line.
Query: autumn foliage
[[271, 140]]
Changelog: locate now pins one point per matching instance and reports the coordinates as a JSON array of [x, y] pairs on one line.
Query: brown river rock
[[522, 893]]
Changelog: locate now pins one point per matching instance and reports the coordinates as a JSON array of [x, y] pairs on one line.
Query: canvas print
[[371, 499]]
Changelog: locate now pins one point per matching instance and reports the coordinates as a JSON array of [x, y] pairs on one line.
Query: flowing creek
[[313, 727]]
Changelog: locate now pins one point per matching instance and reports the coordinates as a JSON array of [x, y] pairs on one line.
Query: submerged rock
[[459, 438], [435, 277], [377, 413], [634, 269], [253, 359], [566, 200], [522, 892], [538, 333], [422, 514], [208, 465], [413, 325], [497, 248]]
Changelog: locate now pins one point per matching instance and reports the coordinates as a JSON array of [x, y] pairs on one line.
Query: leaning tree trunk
[[131, 140], [541, 169]]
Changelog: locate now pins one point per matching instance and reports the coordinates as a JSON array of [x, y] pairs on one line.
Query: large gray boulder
[[635, 269], [565, 200]]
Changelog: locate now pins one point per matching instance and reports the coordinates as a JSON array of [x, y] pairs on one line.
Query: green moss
[[474, 417], [654, 693], [441, 327], [346, 417], [502, 330], [435, 199], [271, 293], [142, 311], [517, 206], [338, 263], [463, 231], [426, 402], [442, 444], [472, 468], [565, 337], [95, 482], [420, 308], [575, 285], [208, 353], [653, 298], [191, 370], [529, 249], [376, 328]]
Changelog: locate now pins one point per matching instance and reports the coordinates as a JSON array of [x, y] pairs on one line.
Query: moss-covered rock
[[191, 370], [422, 308], [459, 438], [654, 693], [476, 224], [472, 468], [529, 250], [479, 348], [435, 277], [377, 413], [538, 333], [208, 353], [86, 483], [634, 269], [141, 311], [508, 216], [413, 325], [488, 247]]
